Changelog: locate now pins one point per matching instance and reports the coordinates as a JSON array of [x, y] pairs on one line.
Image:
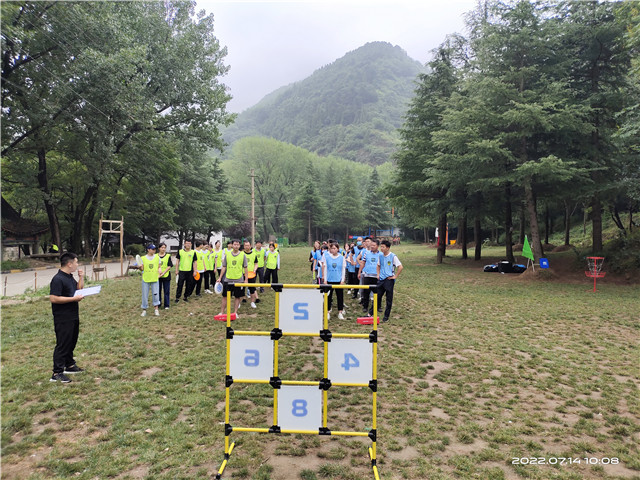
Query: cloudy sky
[[271, 44]]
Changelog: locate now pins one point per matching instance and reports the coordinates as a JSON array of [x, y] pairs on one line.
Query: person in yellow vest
[[272, 264], [209, 265], [260, 267], [164, 282], [234, 270], [200, 259], [218, 256], [185, 270], [252, 262], [150, 274]]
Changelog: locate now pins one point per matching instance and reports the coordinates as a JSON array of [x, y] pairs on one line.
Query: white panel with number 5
[[299, 407], [350, 360], [301, 310], [251, 358]]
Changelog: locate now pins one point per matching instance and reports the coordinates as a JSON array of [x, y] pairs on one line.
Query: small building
[[20, 236]]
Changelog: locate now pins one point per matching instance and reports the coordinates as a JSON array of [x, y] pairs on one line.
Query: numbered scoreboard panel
[[301, 310], [251, 357], [299, 407], [350, 360]]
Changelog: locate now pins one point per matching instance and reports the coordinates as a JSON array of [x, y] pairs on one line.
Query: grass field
[[475, 369]]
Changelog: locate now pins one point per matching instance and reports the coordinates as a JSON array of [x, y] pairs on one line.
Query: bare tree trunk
[[547, 225], [533, 220], [43, 183], [508, 225], [88, 224], [567, 222], [477, 237], [596, 220], [442, 237], [463, 228], [522, 223]]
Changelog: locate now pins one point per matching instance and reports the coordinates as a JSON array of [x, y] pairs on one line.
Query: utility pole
[[253, 208]]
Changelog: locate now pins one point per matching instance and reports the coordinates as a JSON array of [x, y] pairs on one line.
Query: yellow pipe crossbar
[[256, 382], [306, 287], [301, 334], [324, 430], [350, 335], [246, 429], [297, 382]]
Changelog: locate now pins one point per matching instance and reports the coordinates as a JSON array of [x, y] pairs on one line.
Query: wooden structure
[[21, 232], [109, 226]]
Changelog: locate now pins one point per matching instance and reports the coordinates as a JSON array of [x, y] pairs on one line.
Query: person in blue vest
[[319, 259], [313, 259], [334, 269], [368, 272], [389, 269], [357, 251], [352, 278]]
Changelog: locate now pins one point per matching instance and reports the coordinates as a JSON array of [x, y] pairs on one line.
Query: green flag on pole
[[526, 249]]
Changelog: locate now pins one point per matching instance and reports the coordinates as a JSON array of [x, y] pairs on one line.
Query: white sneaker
[[157, 313], [328, 315], [144, 313], [206, 290], [340, 316], [253, 305]]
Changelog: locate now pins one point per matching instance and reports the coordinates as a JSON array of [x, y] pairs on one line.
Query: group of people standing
[[368, 261], [204, 264]]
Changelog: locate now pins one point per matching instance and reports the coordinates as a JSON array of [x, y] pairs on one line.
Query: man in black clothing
[[66, 316]]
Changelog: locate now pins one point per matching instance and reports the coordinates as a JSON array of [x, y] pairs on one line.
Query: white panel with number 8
[[301, 310], [299, 407], [350, 360], [251, 358]]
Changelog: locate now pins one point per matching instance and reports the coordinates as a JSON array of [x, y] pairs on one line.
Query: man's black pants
[[66, 340]]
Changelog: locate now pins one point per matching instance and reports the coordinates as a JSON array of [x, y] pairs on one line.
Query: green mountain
[[350, 108]]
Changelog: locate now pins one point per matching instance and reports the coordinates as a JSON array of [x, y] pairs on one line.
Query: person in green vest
[[260, 252], [234, 270], [209, 265], [272, 264], [185, 270], [218, 256], [150, 274], [164, 282], [200, 260], [252, 262]]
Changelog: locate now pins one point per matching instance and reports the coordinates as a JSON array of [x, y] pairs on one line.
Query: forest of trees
[[537, 108], [117, 108], [112, 107]]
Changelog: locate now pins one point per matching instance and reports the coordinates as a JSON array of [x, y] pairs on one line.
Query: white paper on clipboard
[[85, 292]]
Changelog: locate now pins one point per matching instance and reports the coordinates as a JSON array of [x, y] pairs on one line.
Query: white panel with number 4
[[299, 407], [251, 358], [350, 360], [301, 310]]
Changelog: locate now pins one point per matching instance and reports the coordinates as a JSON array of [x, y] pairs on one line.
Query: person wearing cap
[[164, 282], [150, 273]]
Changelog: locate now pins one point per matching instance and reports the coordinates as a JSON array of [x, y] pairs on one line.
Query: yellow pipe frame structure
[[373, 338]]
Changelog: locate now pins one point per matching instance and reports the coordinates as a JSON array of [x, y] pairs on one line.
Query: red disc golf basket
[[595, 269]]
